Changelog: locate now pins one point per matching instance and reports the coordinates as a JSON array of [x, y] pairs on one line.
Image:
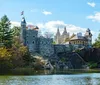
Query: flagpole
[[22, 13]]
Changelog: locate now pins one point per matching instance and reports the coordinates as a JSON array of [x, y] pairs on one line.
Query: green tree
[[6, 34], [97, 42], [16, 30]]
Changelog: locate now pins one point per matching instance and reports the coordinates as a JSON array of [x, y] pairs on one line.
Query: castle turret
[[65, 31], [58, 33], [65, 35], [57, 37], [23, 30], [88, 35]]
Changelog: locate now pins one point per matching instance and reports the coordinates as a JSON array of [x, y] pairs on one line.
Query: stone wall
[[46, 47], [43, 45], [60, 48]]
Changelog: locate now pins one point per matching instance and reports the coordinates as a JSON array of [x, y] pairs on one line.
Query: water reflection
[[80, 79]]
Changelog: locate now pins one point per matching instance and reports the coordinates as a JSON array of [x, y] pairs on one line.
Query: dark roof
[[23, 20]]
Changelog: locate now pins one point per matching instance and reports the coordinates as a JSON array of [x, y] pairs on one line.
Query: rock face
[[90, 55], [76, 61], [73, 60], [67, 60]]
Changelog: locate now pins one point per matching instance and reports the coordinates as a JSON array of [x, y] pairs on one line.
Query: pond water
[[76, 79]]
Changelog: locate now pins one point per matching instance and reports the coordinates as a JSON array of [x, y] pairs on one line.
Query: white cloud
[[15, 23], [95, 17], [92, 4], [52, 26], [46, 12]]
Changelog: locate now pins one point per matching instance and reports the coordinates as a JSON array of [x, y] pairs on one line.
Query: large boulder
[[90, 55]]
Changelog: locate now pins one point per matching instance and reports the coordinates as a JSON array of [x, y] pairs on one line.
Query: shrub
[[5, 60], [92, 64]]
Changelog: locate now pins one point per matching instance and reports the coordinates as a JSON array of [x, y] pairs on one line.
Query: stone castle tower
[[23, 30], [30, 38]]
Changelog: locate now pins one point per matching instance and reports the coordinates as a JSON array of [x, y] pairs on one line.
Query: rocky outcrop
[[90, 55], [67, 60], [73, 60], [76, 61]]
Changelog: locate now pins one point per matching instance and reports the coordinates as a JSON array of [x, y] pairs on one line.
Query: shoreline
[[31, 71]]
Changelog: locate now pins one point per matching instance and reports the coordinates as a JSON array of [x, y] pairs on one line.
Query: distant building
[[77, 40], [60, 39]]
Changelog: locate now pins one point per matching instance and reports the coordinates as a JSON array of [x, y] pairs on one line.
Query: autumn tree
[[48, 35]]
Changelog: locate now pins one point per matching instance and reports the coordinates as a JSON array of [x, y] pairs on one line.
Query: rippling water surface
[[77, 79]]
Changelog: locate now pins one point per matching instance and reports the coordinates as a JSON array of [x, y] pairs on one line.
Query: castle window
[[33, 42], [33, 36]]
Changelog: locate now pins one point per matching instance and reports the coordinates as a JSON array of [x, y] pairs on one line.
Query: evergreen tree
[[16, 30], [6, 34], [97, 42]]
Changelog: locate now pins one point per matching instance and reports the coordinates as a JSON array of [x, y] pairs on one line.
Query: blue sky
[[76, 15]]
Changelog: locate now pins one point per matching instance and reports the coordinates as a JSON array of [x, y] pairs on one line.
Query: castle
[[45, 46]]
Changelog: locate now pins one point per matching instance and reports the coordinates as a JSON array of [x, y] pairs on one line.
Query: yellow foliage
[[68, 39], [22, 50], [72, 35], [4, 54]]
